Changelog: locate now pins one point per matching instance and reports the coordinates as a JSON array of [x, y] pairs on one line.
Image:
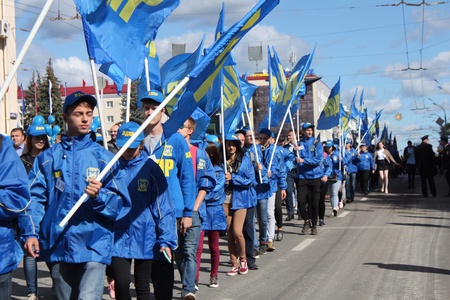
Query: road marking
[[363, 199], [303, 245], [343, 214]]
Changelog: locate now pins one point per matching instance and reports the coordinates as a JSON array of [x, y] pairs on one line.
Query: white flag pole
[[50, 96], [147, 76], [25, 48], [222, 125], [253, 136], [127, 111], [99, 103], [278, 136], [125, 147]]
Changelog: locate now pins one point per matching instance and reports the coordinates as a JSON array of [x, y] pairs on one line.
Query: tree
[[136, 114], [30, 103]]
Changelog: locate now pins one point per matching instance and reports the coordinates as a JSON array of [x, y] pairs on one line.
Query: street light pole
[[445, 114]]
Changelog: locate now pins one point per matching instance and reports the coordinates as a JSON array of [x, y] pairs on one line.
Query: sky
[[398, 52]]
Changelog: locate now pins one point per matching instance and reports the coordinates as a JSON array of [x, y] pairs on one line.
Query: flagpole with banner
[[253, 137], [127, 111], [99, 103], [222, 125], [50, 96]]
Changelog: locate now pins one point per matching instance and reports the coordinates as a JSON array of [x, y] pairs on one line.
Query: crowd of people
[[166, 193]]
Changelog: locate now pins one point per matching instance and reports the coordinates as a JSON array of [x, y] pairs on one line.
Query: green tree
[[30, 94], [43, 96], [136, 114]]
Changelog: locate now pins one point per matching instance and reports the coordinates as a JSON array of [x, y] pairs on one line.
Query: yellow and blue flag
[[118, 31], [330, 115], [202, 76], [371, 130], [291, 91], [153, 71]]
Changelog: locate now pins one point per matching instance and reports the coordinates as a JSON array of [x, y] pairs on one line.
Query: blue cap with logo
[[126, 131], [329, 143], [36, 130], [231, 137], [152, 95], [77, 97], [98, 137], [211, 138], [307, 125], [266, 131]]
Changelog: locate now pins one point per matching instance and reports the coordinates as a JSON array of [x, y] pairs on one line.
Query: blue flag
[[233, 109], [277, 78], [344, 118], [203, 75], [115, 73], [153, 70], [330, 115], [174, 70], [371, 129], [202, 121], [290, 92], [118, 31]]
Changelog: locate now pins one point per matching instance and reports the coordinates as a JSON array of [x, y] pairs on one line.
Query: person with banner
[[309, 171], [78, 253], [15, 196], [150, 225], [172, 155]]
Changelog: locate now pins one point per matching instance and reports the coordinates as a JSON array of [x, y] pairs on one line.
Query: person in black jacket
[[426, 163]]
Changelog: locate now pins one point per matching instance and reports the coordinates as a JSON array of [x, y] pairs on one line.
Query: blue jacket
[[57, 180], [327, 166], [312, 152], [215, 215], [262, 188], [289, 157], [365, 161], [278, 168], [14, 197], [351, 160], [173, 157], [205, 176], [151, 222], [241, 185], [334, 157]]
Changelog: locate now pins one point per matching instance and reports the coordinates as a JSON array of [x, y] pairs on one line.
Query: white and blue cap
[[36, 130], [329, 143], [231, 137], [152, 95], [126, 131], [77, 97], [307, 125], [98, 137]]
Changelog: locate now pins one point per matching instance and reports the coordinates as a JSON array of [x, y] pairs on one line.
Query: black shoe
[[306, 227], [289, 218], [253, 267], [335, 212], [263, 249], [314, 230], [322, 223], [299, 217], [279, 235]]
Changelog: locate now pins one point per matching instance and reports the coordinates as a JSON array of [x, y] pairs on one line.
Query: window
[[110, 119], [109, 104]]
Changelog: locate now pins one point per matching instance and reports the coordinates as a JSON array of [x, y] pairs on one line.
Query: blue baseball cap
[[329, 143], [307, 125], [266, 131], [98, 137], [231, 137], [77, 97], [125, 132], [36, 130], [362, 144], [348, 142], [152, 95], [211, 138]]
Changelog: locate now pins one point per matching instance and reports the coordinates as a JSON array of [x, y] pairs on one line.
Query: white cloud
[[73, 70]]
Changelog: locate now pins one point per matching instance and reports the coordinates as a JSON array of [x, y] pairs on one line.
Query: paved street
[[393, 246]]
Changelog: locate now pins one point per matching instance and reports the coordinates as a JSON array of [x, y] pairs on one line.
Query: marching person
[[382, 160], [426, 163]]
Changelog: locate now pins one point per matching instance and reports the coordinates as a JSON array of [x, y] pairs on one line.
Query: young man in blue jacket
[[78, 253], [14, 197], [309, 171], [174, 158]]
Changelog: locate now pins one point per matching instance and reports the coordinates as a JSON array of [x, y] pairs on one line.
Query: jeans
[[30, 271], [249, 236], [185, 256], [122, 277], [5, 285], [261, 213], [83, 281], [334, 190], [291, 178], [271, 217], [350, 186]]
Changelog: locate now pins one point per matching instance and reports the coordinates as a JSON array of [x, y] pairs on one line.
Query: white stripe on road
[[343, 214], [363, 199], [303, 245]]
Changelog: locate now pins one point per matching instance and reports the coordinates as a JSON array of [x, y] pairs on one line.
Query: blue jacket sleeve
[[185, 174], [317, 158], [206, 176], [14, 191], [246, 174]]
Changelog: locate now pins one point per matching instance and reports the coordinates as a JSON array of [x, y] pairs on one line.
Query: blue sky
[[394, 53]]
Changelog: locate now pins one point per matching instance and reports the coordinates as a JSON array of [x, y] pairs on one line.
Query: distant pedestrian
[[410, 160], [382, 160], [426, 163], [366, 166], [351, 168], [112, 146]]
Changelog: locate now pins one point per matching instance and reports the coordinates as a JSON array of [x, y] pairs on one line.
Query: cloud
[[73, 70]]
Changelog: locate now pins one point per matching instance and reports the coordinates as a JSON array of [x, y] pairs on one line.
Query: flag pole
[[127, 111], [25, 48], [293, 131], [279, 133], [147, 77], [253, 137], [99, 103], [222, 125], [125, 147]]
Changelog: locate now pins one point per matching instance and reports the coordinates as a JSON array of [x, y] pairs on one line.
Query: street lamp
[[445, 114]]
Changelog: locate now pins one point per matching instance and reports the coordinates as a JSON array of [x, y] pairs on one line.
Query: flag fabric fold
[[330, 115]]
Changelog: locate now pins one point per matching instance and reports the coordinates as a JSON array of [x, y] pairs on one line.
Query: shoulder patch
[[201, 164], [168, 150], [92, 173], [143, 185]]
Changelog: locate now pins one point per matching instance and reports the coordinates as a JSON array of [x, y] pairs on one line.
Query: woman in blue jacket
[[149, 229], [335, 177], [239, 178], [215, 221]]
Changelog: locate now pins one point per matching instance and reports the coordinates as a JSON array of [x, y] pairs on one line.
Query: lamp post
[[445, 115]]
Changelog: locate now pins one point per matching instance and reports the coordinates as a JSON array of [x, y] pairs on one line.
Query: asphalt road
[[382, 246]]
